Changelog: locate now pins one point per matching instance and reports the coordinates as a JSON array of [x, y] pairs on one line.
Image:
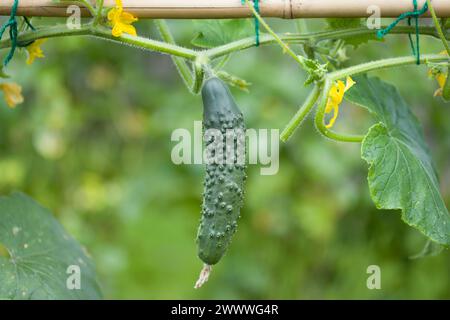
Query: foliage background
[[92, 143]]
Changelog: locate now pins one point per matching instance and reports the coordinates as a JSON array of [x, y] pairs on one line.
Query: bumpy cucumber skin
[[223, 194]]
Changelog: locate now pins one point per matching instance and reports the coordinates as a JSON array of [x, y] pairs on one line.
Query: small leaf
[[316, 71], [39, 253], [401, 173], [234, 81], [213, 33]]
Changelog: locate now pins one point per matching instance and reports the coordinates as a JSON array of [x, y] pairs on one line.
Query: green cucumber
[[224, 182]]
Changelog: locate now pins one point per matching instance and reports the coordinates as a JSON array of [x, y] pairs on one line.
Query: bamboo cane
[[203, 9]]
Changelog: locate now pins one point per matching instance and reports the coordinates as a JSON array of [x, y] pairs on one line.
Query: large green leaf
[[401, 173], [213, 33], [37, 254]]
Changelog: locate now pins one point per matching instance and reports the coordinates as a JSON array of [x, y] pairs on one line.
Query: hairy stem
[[249, 42], [223, 61], [50, 32], [384, 64], [438, 27], [199, 76], [180, 63], [301, 114], [283, 45], [104, 33], [217, 52], [145, 43], [301, 25], [88, 6], [99, 12]]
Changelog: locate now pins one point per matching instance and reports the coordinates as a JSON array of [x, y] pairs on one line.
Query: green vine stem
[[320, 117], [359, 69], [88, 6], [222, 62], [217, 52], [438, 27], [301, 114], [384, 64], [50, 32], [104, 33], [301, 26], [283, 45], [145, 43], [199, 74], [99, 12], [180, 63], [265, 39]]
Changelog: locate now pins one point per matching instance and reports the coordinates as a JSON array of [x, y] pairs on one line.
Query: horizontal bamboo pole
[[202, 9]]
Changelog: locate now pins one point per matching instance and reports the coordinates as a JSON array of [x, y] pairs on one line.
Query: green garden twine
[[256, 4], [409, 15], [12, 25]]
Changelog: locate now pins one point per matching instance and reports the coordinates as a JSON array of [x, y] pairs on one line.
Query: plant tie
[[12, 25], [416, 13], [256, 4]]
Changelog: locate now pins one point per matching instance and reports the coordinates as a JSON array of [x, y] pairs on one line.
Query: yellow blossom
[[34, 50], [441, 79], [335, 97], [121, 21], [440, 76], [12, 93]]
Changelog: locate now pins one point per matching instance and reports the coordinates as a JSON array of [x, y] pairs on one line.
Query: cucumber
[[223, 194]]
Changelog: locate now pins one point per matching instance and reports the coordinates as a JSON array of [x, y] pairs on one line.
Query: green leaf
[[401, 173], [234, 81], [316, 71], [37, 253], [345, 23], [213, 33]]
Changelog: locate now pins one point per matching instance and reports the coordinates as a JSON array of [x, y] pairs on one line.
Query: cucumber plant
[[401, 174]]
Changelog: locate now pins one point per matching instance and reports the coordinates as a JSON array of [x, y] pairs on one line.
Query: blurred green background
[[92, 143]]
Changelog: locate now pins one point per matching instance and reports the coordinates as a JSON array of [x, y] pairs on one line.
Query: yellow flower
[[440, 76], [121, 21], [34, 50], [441, 79], [12, 93], [335, 97]]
